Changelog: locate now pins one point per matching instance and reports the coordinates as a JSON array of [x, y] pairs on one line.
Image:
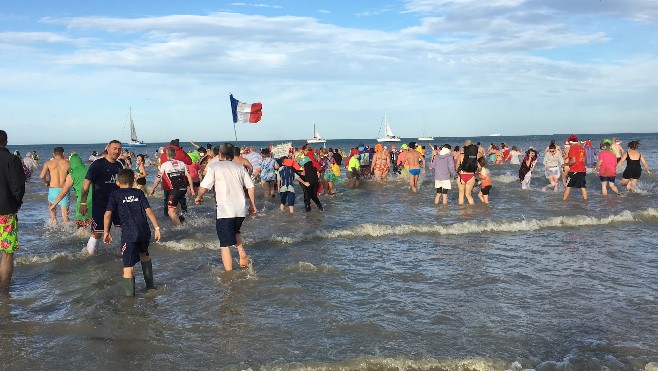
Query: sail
[[387, 130], [316, 135], [133, 132]]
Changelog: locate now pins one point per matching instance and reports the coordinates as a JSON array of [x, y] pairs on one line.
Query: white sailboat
[[388, 133], [425, 138], [134, 142], [316, 136]]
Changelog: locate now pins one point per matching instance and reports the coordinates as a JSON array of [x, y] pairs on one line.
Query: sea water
[[382, 279]]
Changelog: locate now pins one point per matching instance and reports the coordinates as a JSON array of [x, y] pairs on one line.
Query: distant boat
[[316, 136], [388, 133], [494, 134], [134, 142], [425, 138]]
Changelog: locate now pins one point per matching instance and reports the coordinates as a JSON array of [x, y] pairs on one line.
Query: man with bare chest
[[53, 176], [414, 161]]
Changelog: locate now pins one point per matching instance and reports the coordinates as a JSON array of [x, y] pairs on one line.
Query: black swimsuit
[[633, 168]]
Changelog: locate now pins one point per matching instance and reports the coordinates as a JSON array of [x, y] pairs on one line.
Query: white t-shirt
[[230, 180]]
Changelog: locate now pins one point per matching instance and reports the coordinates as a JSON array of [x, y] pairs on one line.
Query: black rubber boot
[[129, 286], [147, 269]]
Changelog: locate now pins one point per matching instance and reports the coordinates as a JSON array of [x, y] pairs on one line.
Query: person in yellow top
[[353, 169]]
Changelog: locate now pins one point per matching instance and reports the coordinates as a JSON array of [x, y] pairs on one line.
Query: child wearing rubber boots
[[133, 209]]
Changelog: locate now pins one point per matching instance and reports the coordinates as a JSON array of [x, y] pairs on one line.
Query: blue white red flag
[[246, 112]]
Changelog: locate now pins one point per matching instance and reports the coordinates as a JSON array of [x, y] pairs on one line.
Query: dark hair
[[215, 151], [141, 156], [551, 146], [58, 150], [633, 144], [3, 137], [227, 150], [114, 141], [236, 151], [482, 161], [456, 148], [171, 152], [447, 146], [209, 146], [126, 176]]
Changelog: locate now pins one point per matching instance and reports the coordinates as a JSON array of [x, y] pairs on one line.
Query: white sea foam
[[381, 230], [306, 267], [397, 363], [189, 244], [505, 178], [49, 257]]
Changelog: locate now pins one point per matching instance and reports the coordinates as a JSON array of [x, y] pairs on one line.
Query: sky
[[72, 70]]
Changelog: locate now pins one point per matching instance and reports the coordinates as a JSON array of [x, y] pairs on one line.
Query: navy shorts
[[485, 190], [130, 252], [287, 198], [98, 218], [175, 196], [227, 230], [610, 179], [576, 180]]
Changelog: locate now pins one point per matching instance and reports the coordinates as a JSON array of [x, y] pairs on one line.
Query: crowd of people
[[112, 189]]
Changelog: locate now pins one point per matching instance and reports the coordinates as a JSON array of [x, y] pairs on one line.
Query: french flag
[[246, 112]]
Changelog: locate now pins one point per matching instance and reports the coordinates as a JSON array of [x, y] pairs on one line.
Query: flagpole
[[236, 133]]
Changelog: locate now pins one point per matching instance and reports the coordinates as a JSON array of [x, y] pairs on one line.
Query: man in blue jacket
[[12, 189]]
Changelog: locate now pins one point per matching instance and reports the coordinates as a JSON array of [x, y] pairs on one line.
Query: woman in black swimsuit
[[633, 169]]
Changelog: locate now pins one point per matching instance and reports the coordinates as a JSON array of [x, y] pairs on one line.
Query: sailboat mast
[[133, 132]]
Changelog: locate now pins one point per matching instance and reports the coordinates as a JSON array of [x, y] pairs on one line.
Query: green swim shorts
[[9, 233]]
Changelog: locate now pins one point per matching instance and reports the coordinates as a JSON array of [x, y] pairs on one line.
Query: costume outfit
[[78, 173], [577, 171]]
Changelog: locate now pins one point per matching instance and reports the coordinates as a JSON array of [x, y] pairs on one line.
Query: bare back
[[57, 169], [413, 159]]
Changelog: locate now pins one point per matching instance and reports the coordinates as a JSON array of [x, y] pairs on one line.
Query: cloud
[[469, 60], [257, 5], [36, 37]]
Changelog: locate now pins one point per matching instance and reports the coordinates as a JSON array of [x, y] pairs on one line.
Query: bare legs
[[466, 189], [6, 269], [227, 258]]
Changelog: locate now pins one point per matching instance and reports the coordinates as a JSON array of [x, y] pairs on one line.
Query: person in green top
[[75, 178], [353, 169]]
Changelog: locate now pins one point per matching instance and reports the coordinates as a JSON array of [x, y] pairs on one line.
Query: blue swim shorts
[[54, 192], [414, 171], [610, 179]]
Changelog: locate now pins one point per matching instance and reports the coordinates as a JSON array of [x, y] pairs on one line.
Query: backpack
[[470, 162]]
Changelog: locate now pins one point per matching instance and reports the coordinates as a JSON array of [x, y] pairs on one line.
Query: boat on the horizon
[[134, 142], [388, 133], [316, 136], [494, 134], [425, 138]]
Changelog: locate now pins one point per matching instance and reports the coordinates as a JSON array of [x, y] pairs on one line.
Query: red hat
[[572, 139]]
